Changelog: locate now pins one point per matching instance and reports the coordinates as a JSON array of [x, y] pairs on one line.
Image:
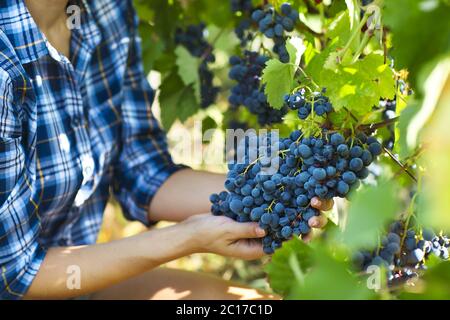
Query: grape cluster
[[243, 27], [403, 254], [305, 167], [247, 92], [241, 5], [316, 103], [274, 24], [192, 38], [243, 31]]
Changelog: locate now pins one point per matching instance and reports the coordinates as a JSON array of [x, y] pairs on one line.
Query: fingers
[[321, 204], [248, 249], [318, 221], [308, 237], [248, 230]]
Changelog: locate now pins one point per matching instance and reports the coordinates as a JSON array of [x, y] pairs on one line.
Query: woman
[[75, 122]]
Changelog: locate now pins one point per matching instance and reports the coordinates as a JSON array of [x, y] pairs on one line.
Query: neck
[[47, 13]]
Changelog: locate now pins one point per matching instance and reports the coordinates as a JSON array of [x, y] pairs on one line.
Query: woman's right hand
[[224, 236]]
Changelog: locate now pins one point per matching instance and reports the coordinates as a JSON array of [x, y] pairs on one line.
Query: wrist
[[194, 237]]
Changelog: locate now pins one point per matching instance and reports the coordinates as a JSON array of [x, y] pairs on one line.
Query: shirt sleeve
[[145, 163], [20, 253]]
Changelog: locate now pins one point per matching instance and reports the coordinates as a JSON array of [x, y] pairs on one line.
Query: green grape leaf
[[143, 10], [328, 279], [360, 85], [152, 49], [207, 124], [368, 214], [280, 272], [315, 65], [278, 78], [188, 69], [295, 47], [339, 30], [177, 101]]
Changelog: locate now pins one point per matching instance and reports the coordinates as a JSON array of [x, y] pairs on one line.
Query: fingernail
[[314, 223], [260, 232]]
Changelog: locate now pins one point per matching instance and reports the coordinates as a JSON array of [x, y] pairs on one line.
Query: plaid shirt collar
[[29, 42]]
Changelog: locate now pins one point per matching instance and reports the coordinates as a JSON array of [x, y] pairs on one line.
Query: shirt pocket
[[12, 160]]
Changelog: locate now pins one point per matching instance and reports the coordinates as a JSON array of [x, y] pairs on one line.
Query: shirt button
[[87, 163]]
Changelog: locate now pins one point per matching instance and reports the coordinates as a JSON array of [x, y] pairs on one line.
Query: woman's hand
[[224, 236]]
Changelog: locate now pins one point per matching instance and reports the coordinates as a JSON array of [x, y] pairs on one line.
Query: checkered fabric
[[72, 129]]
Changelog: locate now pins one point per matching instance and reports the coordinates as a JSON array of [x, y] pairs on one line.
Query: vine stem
[[307, 77], [353, 35], [367, 35], [211, 45], [377, 125], [401, 165], [408, 218]]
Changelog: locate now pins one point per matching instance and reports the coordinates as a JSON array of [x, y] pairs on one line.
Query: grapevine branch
[[377, 125], [400, 164]]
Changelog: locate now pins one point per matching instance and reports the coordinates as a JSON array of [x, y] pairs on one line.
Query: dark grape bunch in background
[[316, 103], [403, 260], [248, 92], [242, 29], [193, 39], [274, 24], [241, 5], [325, 167], [247, 70]]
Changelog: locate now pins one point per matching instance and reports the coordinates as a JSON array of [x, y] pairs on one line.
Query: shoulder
[[9, 61], [12, 74], [115, 17]]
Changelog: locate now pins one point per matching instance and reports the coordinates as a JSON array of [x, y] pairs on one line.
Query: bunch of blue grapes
[[243, 28], [316, 103], [275, 189], [243, 31], [246, 71], [193, 39], [403, 254], [241, 5], [274, 24]]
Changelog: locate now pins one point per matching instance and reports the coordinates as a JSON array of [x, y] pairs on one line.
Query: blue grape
[[286, 232]]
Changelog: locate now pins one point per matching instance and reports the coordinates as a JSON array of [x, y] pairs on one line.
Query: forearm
[[184, 194], [103, 265]]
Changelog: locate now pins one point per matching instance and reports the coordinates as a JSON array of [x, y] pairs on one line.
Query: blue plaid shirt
[[71, 130]]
